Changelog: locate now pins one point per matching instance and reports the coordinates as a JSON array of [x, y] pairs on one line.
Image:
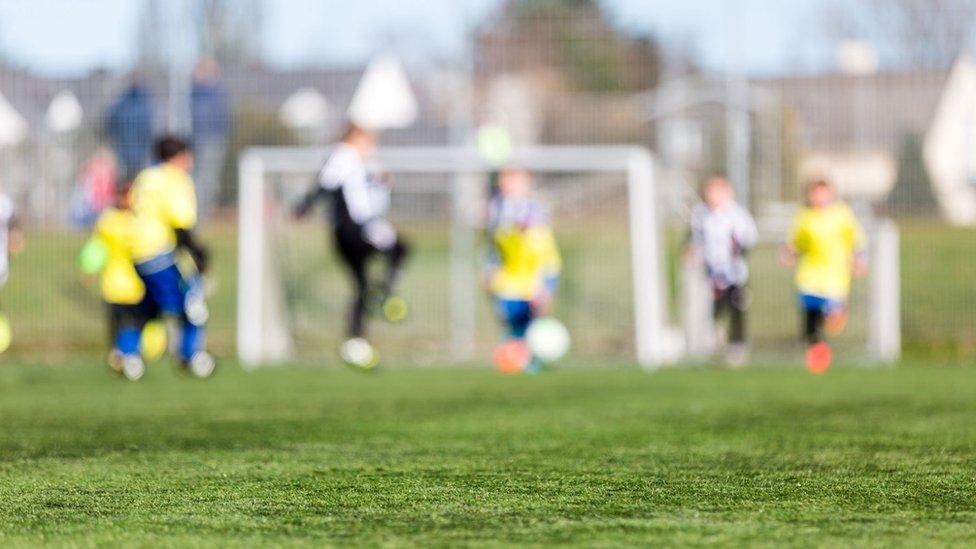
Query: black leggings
[[813, 325], [734, 300], [355, 253]]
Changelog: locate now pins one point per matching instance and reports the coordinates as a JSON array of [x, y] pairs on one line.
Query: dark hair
[[169, 147]]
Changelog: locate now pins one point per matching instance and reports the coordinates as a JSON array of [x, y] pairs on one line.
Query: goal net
[[293, 294], [625, 294]]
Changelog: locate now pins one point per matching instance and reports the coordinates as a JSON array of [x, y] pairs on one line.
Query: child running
[[108, 253], [722, 232], [358, 218], [11, 244], [164, 208], [826, 246], [524, 266]]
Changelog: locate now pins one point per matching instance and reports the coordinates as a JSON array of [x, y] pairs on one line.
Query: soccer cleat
[[512, 357], [133, 368], [534, 367], [358, 354], [737, 355], [201, 366], [819, 357], [395, 309], [114, 360]]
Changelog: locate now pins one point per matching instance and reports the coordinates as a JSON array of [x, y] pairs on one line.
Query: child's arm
[[15, 236], [789, 253], [861, 264], [745, 231], [551, 270]]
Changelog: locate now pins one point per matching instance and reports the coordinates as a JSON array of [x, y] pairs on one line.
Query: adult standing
[[211, 118], [129, 126]]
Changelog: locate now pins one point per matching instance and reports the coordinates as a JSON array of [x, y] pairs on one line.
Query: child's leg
[[813, 325], [517, 315], [113, 317], [127, 329], [168, 290], [357, 309], [737, 314], [355, 254], [395, 257], [720, 302]]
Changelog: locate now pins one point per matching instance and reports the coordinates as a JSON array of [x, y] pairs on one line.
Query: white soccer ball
[[548, 339], [358, 352]]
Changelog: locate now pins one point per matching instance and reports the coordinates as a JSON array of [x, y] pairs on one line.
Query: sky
[[74, 36]]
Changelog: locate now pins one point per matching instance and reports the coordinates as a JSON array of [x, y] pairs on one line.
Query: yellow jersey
[[826, 240], [162, 200], [120, 284], [527, 258]]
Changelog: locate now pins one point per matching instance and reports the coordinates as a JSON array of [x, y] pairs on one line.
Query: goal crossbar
[[262, 340]]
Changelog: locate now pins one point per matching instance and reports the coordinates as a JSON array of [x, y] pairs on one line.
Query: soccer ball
[[548, 339], [153, 341], [6, 333], [358, 353]]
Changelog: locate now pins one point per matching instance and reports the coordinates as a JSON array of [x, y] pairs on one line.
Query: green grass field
[[319, 455]]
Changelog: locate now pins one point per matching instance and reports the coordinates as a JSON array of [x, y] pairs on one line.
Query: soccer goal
[[292, 295], [626, 295]]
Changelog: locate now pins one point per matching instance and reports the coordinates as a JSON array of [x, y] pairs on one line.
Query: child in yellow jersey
[[164, 208], [525, 264], [826, 246], [108, 253]]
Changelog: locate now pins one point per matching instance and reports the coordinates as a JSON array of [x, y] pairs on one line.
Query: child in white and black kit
[[722, 232]]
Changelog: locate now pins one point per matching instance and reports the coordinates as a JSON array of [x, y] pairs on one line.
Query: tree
[[230, 31], [912, 194], [226, 30], [571, 37]]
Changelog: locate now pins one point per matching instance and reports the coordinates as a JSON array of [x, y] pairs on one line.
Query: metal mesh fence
[[885, 107]]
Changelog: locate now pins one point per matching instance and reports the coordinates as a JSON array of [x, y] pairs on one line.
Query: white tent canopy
[[383, 99], [307, 108], [13, 126], [64, 114]]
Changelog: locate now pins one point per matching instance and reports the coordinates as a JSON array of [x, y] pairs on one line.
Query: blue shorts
[[169, 292], [516, 314], [822, 304]]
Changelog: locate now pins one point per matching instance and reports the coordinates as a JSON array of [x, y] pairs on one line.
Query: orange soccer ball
[[512, 357]]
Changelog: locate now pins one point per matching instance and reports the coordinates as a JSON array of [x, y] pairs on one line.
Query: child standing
[[164, 209], [108, 253], [722, 232], [826, 246]]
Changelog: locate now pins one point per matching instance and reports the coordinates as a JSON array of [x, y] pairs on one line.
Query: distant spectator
[[129, 125], [95, 189], [211, 123]]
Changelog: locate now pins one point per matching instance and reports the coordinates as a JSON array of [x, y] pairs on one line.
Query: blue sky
[[71, 36]]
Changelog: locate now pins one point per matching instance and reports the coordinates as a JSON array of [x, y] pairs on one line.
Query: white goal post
[[262, 337]]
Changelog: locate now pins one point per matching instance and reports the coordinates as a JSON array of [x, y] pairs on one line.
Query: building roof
[[839, 112]]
